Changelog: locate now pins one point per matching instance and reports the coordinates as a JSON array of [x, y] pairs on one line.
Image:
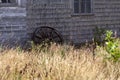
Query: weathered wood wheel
[[46, 34]]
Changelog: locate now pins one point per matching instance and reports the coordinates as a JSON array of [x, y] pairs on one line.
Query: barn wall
[[12, 25], [74, 28], [106, 14], [44, 13]]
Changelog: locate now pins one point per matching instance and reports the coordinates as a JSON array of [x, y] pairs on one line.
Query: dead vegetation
[[57, 63]]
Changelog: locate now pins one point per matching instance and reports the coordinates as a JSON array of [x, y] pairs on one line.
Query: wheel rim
[[47, 35]]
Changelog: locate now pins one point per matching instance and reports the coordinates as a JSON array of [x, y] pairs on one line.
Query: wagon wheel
[[46, 34]]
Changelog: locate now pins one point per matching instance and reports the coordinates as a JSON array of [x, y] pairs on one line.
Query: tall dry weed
[[57, 63]]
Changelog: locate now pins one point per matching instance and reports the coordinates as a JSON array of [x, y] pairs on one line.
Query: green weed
[[112, 46]]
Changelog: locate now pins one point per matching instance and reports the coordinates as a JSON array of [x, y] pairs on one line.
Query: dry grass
[[57, 63]]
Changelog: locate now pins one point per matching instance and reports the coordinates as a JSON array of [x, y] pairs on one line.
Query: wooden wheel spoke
[[38, 36], [51, 33], [55, 39]]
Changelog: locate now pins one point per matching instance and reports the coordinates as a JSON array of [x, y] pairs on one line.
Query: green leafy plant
[[112, 46]]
